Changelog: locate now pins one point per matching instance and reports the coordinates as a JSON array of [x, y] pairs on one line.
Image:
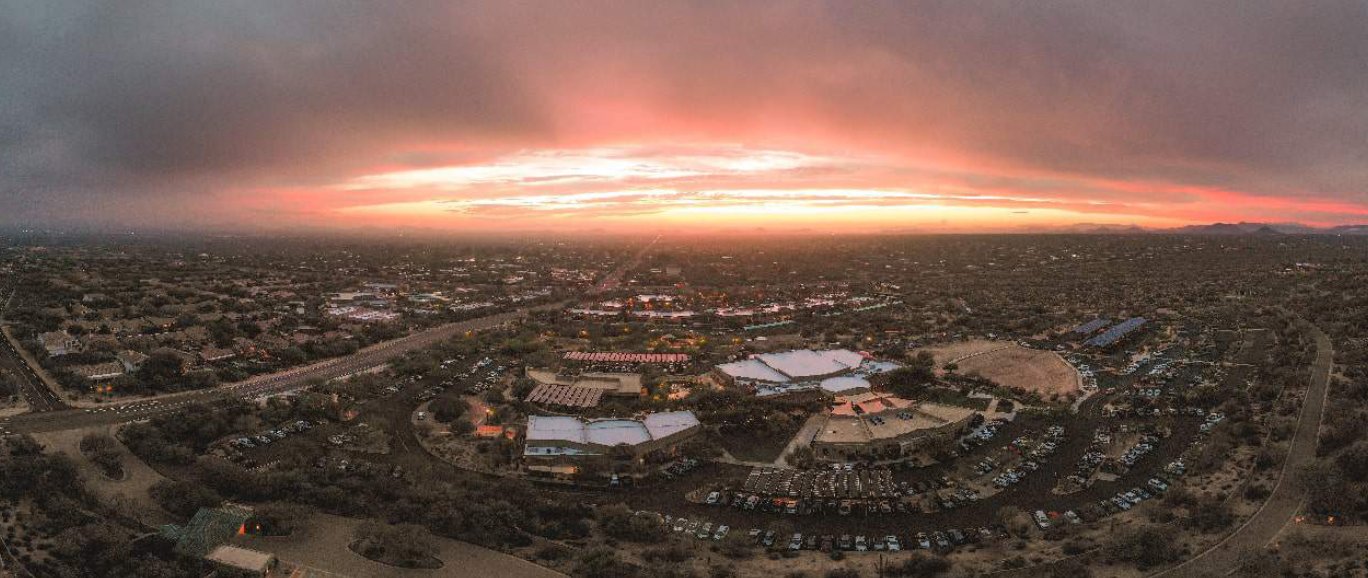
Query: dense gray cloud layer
[[114, 111]]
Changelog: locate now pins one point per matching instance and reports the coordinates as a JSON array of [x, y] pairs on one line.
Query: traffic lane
[[38, 396], [274, 384]]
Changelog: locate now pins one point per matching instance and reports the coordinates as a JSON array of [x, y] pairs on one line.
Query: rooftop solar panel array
[[1092, 326], [565, 395], [1114, 334], [627, 357]]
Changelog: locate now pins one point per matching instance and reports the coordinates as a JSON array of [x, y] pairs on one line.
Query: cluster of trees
[[746, 422], [8, 386], [914, 379], [498, 513], [104, 452], [177, 438], [1145, 547], [617, 522], [404, 545], [87, 538]]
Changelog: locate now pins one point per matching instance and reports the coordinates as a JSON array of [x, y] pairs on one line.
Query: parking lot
[[942, 501]]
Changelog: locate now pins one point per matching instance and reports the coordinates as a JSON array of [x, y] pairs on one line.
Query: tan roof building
[[99, 371], [874, 426], [623, 384], [252, 562]]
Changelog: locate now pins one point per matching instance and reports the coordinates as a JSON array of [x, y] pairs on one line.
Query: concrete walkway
[[1286, 499], [801, 439]]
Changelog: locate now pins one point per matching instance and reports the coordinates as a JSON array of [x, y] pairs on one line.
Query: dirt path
[[1286, 499], [133, 488], [322, 544]]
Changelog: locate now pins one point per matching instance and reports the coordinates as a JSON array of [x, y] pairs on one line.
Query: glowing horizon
[[626, 116]]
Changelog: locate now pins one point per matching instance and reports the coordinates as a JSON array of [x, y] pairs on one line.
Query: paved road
[[31, 386], [1286, 499], [614, 279], [60, 417], [263, 385], [39, 396]]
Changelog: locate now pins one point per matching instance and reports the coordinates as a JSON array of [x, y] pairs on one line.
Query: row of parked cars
[[842, 481], [1127, 499], [1139, 450], [1212, 419], [897, 502], [940, 541], [1037, 451], [696, 528], [980, 436], [806, 506], [679, 468], [267, 437]]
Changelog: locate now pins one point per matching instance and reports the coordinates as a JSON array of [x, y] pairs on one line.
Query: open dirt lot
[[133, 487], [1011, 365]]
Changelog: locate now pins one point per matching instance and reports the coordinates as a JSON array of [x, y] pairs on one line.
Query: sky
[[685, 115]]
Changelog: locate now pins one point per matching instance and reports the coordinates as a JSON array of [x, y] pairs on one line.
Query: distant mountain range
[[1241, 228]]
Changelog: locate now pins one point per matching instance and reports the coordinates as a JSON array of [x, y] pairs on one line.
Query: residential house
[[59, 343]]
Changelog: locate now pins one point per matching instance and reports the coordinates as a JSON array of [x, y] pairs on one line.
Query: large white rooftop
[[604, 432], [555, 428], [844, 384], [796, 365], [752, 369], [614, 432], [669, 423], [801, 363]]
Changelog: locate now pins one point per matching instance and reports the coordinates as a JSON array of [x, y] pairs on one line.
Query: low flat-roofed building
[[563, 440], [619, 384], [253, 562], [872, 426], [59, 343], [99, 371], [215, 354], [846, 385], [131, 360]]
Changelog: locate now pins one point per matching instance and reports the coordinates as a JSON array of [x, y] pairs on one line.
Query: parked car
[[893, 545], [704, 531], [1041, 520]]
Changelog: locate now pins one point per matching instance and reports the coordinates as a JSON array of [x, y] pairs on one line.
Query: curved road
[[1286, 499]]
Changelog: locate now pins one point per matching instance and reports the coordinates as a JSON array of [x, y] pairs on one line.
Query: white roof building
[[752, 369], [555, 428], [571, 436], [832, 370], [616, 432], [845, 385], [662, 425], [806, 363]]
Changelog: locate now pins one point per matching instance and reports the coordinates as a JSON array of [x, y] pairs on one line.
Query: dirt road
[[1286, 498]]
